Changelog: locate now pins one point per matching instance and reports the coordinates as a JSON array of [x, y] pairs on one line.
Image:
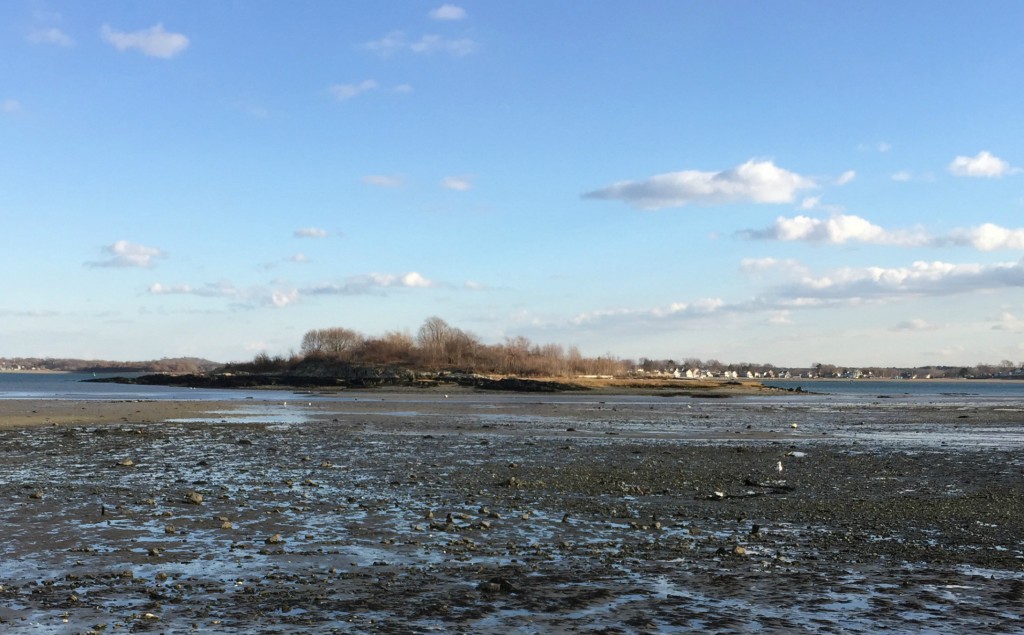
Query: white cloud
[[457, 183], [372, 283], [51, 35], [245, 298], [902, 176], [846, 177], [988, 237], [751, 182], [383, 180], [836, 230], [920, 279], [299, 258], [310, 232], [10, 106], [344, 92], [397, 42], [448, 12], [153, 42], [761, 265], [127, 254], [403, 89], [702, 307], [984, 164], [282, 298]]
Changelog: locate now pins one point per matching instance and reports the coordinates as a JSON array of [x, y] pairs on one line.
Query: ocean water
[[72, 386], [906, 388]]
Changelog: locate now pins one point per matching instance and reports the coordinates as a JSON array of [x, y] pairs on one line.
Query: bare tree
[[336, 342]]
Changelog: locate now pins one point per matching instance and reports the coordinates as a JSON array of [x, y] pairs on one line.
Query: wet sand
[[399, 513]]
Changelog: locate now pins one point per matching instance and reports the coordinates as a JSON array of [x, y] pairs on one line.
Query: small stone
[[154, 551], [170, 529], [126, 463], [274, 540], [226, 525], [739, 551], [194, 498], [36, 496]]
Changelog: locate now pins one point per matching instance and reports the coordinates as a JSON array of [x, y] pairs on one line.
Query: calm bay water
[[906, 388], [73, 387]]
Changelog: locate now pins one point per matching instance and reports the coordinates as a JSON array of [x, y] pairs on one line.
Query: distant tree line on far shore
[[175, 365], [438, 347]]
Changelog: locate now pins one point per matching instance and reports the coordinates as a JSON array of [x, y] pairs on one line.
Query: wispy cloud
[[344, 92], [914, 325], [128, 254], [383, 180], [881, 146], [372, 283], [902, 176], [457, 183], [983, 164], [699, 308], [846, 177], [310, 232], [758, 266], [920, 279], [152, 42], [1007, 321], [9, 106], [448, 12], [397, 42], [751, 182], [52, 36], [249, 297], [844, 287]]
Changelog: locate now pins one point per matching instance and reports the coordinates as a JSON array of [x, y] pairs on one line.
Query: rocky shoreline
[[492, 513]]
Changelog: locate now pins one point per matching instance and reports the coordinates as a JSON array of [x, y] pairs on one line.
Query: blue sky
[[785, 182]]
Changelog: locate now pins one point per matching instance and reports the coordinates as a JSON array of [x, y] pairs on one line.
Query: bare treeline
[[438, 345]]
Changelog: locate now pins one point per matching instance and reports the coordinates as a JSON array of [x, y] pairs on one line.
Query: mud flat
[[403, 513]]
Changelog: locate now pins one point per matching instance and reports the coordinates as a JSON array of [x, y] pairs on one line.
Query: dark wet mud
[[482, 515]]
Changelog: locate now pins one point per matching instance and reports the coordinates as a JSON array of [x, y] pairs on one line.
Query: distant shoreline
[[37, 371]]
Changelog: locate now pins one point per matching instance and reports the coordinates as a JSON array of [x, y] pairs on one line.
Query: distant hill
[[166, 365]]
